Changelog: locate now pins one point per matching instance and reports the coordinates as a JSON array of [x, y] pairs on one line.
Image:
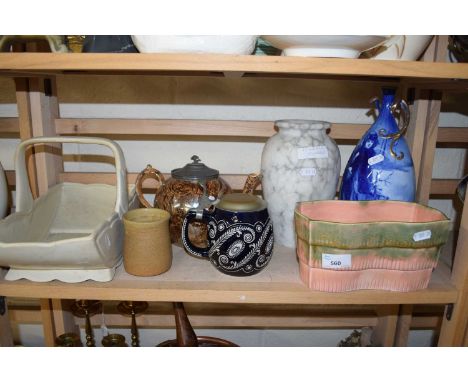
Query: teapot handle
[[148, 172], [252, 182], [192, 249]]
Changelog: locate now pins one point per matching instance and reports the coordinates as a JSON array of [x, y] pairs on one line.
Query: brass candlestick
[[86, 309], [133, 308], [68, 340], [114, 340]]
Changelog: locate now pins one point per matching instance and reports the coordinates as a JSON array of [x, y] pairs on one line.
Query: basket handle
[[23, 192]]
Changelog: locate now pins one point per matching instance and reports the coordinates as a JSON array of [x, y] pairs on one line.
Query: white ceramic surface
[[323, 46], [229, 44], [408, 47], [3, 193], [299, 163]]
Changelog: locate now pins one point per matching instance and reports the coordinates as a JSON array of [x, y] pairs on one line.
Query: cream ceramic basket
[[72, 233]]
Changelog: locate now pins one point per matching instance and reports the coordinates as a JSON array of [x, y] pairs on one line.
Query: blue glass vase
[[381, 167]]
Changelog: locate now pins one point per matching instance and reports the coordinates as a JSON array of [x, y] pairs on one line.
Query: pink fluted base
[[329, 280], [418, 260]]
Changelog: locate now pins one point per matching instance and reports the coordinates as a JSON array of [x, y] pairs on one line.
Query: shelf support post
[[6, 335], [384, 332], [44, 111], [455, 320], [422, 138], [422, 132], [23, 103]]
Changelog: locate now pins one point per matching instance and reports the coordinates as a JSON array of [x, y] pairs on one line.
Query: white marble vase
[[299, 163]]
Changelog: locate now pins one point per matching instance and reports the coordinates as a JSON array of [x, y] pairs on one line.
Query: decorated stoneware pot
[[240, 234], [381, 167]]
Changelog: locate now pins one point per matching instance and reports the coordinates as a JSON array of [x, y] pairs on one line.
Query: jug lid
[[195, 171], [241, 203]]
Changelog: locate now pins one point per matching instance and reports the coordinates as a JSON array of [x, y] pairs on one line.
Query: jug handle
[[405, 113], [148, 172], [252, 182], [192, 249]]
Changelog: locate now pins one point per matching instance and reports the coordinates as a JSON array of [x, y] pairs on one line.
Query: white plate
[[324, 46]]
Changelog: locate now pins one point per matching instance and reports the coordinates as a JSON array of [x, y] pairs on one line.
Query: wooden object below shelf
[[195, 280], [160, 315]]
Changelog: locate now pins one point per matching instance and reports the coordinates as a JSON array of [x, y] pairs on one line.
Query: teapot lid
[[241, 203], [195, 171]]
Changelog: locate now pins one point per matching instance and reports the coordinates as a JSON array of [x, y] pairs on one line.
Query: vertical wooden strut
[[6, 335], [454, 325], [37, 110]]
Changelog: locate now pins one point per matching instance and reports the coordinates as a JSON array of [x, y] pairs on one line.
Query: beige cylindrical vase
[[147, 244]]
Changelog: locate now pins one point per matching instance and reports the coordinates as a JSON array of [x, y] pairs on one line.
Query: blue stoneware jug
[[240, 234], [381, 167]]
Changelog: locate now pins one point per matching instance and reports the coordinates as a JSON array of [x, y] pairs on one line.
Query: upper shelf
[[131, 63]]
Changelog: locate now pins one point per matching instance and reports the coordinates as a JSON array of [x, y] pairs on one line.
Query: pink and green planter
[[350, 245]]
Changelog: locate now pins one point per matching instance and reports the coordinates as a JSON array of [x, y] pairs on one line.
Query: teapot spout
[[252, 182]]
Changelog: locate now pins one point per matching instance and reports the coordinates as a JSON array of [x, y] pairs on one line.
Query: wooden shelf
[[196, 280], [130, 63]]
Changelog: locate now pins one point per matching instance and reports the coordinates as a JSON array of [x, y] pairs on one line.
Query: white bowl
[[400, 48], [195, 44], [324, 46]]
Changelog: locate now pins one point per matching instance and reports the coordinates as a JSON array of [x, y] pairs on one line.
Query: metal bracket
[[449, 311], [47, 87], [2, 305]]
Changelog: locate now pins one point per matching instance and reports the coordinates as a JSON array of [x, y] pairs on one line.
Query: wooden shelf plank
[[195, 280], [444, 186], [9, 126], [232, 316], [452, 135], [438, 186], [108, 62], [184, 127]]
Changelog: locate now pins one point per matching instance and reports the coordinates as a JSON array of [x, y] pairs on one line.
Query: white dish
[[232, 44], [324, 46], [400, 48]]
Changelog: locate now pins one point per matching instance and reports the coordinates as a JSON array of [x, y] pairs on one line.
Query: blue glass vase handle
[[400, 109]]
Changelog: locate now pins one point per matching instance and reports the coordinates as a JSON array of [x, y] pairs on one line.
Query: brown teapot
[[193, 186]]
